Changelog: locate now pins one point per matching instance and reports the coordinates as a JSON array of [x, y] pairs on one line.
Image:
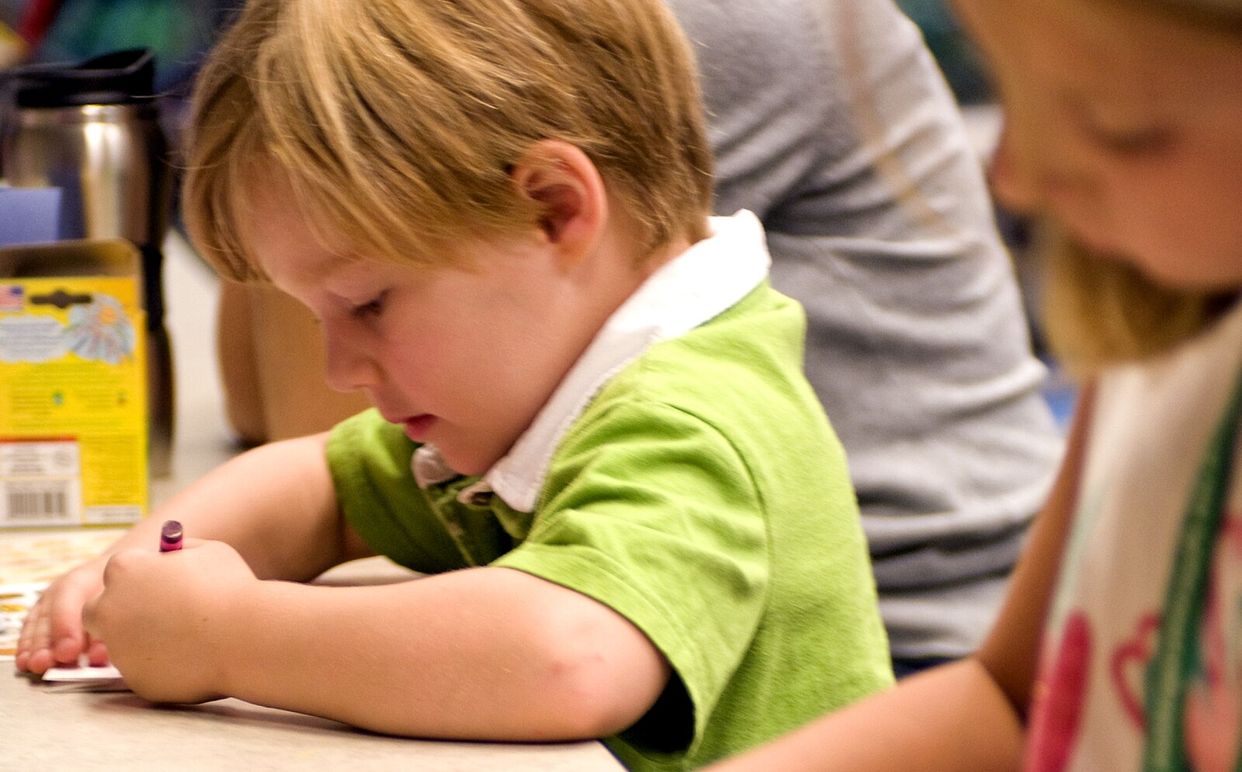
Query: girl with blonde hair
[[1120, 643]]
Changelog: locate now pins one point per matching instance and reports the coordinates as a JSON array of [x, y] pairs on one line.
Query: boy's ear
[[570, 191]]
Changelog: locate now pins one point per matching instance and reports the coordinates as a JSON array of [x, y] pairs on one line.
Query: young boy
[[588, 399]]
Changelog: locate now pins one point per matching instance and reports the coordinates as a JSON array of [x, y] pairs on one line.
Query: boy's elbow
[[589, 700], [598, 684]]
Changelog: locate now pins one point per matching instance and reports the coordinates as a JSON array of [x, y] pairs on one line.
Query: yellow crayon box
[[73, 385]]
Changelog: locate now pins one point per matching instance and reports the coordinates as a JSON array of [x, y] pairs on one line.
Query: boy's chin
[[466, 462]]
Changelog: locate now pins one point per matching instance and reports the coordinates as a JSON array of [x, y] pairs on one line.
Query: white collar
[[692, 288]]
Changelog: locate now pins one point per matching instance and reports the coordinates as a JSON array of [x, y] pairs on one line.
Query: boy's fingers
[[35, 643], [28, 640], [66, 650], [39, 662], [96, 654], [67, 635], [53, 632]]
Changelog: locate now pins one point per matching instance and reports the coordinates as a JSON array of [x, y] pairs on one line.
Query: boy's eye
[[371, 308]]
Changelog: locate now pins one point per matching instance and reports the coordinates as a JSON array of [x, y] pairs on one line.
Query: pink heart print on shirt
[[1128, 666], [1059, 698]]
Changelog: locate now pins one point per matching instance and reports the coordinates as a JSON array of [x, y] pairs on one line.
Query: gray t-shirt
[[832, 123]]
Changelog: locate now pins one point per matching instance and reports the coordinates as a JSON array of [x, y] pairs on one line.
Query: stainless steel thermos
[[91, 129]]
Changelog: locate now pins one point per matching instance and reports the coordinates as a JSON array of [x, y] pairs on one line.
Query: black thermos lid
[[118, 77]]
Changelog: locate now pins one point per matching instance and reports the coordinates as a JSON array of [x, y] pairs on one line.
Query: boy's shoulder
[[737, 379]]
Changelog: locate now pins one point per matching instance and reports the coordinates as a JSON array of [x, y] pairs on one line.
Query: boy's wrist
[[238, 649]]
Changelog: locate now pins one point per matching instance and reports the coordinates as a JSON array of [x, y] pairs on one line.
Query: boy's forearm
[[275, 505], [950, 718], [487, 653]]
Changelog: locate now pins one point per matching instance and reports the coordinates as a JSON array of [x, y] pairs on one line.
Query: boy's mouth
[[417, 427]]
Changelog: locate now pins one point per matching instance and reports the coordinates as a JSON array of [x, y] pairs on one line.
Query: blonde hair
[[1097, 311], [397, 122]]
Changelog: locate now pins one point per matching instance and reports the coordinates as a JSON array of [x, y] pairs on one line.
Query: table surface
[[58, 730], [49, 730]]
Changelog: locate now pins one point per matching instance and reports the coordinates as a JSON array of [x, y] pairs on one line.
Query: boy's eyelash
[[370, 308]]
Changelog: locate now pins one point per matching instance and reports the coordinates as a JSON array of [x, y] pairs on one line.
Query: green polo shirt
[[699, 492], [703, 496]]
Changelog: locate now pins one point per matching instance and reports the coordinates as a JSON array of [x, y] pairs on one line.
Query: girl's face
[[1123, 126]]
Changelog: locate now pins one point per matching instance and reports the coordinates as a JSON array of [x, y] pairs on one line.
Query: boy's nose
[[346, 366]]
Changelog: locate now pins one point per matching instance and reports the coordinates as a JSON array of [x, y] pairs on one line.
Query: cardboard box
[[73, 385]]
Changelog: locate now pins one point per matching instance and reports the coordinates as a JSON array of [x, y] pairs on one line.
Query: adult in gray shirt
[[832, 123]]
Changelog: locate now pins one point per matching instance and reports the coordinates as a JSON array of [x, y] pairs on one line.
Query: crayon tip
[[170, 536]]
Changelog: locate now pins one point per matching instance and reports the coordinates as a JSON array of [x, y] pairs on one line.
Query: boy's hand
[[165, 617], [52, 634]]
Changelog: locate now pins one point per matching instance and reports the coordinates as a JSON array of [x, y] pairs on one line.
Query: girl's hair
[[397, 122], [1100, 312]]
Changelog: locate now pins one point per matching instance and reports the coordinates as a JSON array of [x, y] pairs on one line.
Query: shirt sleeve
[[653, 512]]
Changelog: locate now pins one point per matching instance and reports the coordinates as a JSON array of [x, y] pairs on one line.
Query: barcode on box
[[42, 503], [40, 481]]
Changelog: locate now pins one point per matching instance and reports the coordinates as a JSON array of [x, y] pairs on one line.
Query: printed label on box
[[40, 482], [73, 436]]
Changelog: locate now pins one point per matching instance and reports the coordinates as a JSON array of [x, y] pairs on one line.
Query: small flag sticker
[[12, 297]]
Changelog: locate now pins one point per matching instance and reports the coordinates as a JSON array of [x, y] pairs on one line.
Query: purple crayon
[[170, 536]]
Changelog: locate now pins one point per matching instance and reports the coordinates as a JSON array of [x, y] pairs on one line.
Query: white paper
[[85, 678]]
